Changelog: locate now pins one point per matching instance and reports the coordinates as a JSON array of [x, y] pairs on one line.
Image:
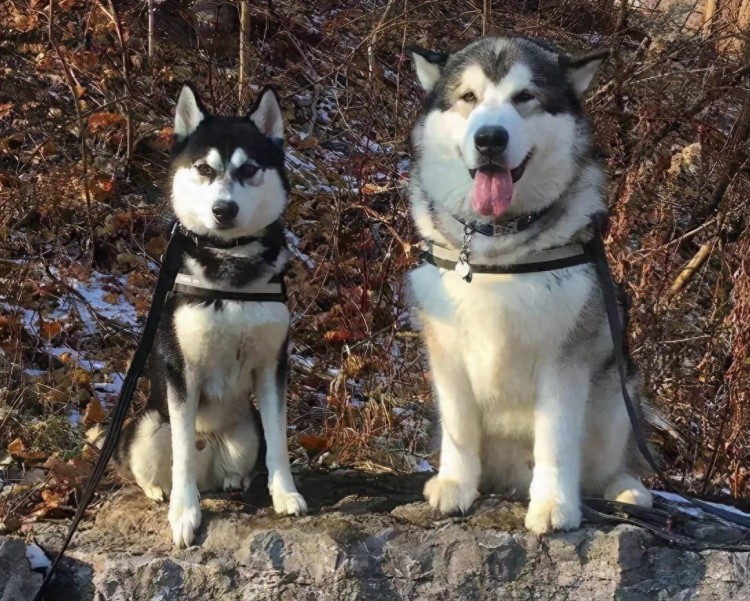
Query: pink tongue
[[493, 192]]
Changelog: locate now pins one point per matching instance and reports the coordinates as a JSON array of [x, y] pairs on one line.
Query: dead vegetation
[[86, 97]]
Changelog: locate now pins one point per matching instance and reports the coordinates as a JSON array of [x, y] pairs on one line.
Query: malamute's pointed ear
[[581, 69], [267, 116], [189, 113], [428, 64]]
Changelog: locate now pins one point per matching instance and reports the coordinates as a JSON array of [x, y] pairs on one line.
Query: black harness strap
[[212, 295], [516, 268], [171, 261]]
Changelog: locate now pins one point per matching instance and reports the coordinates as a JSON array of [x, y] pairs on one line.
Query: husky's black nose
[[225, 211], [491, 140]]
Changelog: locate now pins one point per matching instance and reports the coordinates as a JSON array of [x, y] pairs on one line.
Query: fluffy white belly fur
[[223, 349], [498, 329], [522, 409]]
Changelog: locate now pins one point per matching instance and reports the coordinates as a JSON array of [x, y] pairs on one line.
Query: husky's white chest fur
[[226, 345]]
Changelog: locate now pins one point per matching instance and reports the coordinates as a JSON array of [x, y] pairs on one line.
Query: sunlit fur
[[199, 431], [522, 364]]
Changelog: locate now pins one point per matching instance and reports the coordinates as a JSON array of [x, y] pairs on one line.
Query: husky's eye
[[522, 97], [469, 97], [246, 171], [205, 170]]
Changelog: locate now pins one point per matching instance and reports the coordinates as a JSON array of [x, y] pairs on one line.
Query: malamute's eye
[[469, 97], [246, 171], [522, 97], [205, 170]]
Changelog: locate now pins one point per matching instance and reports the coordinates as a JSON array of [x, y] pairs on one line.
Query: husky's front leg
[[455, 486], [558, 429], [184, 501], [270, 388]]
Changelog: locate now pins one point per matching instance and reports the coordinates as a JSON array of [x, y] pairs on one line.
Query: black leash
[[171, 261], [599, 258]]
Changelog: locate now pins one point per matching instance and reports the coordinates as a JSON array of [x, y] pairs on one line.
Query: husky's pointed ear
[[428, 64], [189, 113], [581, 69], [267, 115]]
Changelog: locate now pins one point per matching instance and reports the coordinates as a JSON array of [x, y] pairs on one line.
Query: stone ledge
[[370, 537]]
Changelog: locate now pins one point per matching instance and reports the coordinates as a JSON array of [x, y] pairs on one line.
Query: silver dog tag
[[463, 269]]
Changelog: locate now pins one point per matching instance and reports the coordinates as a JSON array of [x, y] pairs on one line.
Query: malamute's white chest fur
[[497, 330]]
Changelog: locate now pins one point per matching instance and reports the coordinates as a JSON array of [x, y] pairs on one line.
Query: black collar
[[507, 227], [200, 241]]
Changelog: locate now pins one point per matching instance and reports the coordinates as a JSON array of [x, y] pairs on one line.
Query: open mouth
[[492, 193], [515, 174]]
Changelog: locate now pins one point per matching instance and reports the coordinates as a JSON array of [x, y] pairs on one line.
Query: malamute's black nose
[[225, 211], [491, 140]]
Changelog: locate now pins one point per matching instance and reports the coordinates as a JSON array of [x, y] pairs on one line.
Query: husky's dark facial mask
[[228, 172]]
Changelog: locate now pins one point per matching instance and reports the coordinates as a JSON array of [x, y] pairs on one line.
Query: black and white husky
[[523, 368], [199, 431]]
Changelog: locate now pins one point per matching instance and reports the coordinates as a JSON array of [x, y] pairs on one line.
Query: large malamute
[[223, 333], [522, 361]]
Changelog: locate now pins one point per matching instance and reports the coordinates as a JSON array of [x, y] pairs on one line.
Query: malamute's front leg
[[184, 500], [270, 388], [558, 429], [455, 486]]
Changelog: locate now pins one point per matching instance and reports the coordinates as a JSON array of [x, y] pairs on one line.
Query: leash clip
[[463, 267]]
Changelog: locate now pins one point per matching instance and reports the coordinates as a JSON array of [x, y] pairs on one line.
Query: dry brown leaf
[[156, 246], [75, 471], [314, 445], [338, 336], [50, 329], [16, 448], [111, 297], [94, 413]]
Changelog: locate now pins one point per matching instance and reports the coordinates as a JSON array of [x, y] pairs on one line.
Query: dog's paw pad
[[449, 496], [289, 503], [184, 517], [549, 515]]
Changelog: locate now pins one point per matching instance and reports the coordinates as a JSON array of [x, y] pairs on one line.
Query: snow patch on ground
[[688, 508]]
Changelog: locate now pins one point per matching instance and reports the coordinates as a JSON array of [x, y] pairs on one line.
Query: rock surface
[[368, 537]]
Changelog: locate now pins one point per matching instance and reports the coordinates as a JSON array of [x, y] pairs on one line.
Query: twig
[[150, 30], [244, 28], [374, 39], [313, 109], [81, 126], [112, 14], [694, 265]]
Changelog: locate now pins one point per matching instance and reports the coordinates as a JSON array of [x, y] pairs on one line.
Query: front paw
[[548, 514], [184, 515], [449, 496], [288, 502]]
